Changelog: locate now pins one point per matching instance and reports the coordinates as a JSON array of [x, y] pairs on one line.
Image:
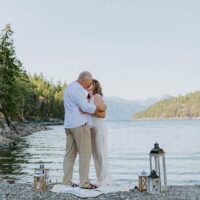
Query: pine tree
[[10, 71]]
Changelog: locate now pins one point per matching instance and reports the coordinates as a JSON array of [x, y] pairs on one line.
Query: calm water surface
[[129, 145]]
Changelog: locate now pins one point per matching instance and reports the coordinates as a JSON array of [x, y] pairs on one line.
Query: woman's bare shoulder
[[98, 96]]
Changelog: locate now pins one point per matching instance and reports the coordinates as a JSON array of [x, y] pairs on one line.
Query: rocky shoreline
[[9, 135], [20, 191]]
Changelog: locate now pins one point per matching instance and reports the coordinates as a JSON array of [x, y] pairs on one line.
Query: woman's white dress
[[100, 150]]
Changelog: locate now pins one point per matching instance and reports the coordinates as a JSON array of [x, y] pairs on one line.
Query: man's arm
[[83, 103]]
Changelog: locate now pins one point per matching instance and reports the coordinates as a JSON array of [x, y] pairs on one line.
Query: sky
[[136, 48]]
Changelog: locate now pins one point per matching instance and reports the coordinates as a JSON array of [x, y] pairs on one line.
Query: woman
[[99, 137]]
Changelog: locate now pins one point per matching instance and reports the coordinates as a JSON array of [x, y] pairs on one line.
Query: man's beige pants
[[78, 141]]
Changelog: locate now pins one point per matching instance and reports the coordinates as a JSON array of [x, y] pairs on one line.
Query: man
[[77, 130]]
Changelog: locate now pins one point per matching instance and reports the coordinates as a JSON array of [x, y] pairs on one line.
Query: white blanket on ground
[[88, 193]]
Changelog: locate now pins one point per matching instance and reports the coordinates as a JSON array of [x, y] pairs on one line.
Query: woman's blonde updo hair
[[97, 87]]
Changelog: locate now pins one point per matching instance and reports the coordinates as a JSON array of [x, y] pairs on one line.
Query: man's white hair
[[84, 75]]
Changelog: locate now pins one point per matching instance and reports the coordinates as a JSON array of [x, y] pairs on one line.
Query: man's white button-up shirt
[[76, 106]]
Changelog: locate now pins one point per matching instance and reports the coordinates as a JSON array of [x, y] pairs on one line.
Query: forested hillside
[[24, 96], [187, 106]]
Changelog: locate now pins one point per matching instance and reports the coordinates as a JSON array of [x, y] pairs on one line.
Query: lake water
[[129, 145]]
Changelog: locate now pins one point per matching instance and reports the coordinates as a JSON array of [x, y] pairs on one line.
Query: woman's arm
[[98, 100]]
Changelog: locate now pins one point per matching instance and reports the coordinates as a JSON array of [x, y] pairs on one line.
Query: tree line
[[25, 97]]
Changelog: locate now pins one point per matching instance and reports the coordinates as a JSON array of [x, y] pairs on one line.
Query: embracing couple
[[86, 132]]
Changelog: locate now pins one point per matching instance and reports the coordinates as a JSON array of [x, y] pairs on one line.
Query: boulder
[[5, 142], [5, 131]]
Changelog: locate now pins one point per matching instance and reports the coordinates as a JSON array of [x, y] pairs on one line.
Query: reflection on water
[[129, 145], [11, 161]]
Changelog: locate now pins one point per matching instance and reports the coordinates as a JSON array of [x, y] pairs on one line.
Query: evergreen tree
[[22, 96], [11, 71]]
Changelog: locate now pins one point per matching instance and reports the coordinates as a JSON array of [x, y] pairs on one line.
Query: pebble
[[19, 191]]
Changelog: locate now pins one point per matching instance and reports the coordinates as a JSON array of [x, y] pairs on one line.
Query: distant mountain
[[121, 109], [187, 106], [152, 100]]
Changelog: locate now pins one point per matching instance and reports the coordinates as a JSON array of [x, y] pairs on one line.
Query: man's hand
[[100, 114], [102, 107], [100, 111]]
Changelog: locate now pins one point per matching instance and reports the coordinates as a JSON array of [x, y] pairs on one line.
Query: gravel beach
[[19, 191]]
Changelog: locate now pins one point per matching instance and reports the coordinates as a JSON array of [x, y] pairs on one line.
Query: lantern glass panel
[[39, 182], [153, 185], [142, 183]]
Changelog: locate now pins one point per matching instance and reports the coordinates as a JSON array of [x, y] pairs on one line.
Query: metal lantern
[[41, 178], [155, 155], [153, 183], [142, 181]]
